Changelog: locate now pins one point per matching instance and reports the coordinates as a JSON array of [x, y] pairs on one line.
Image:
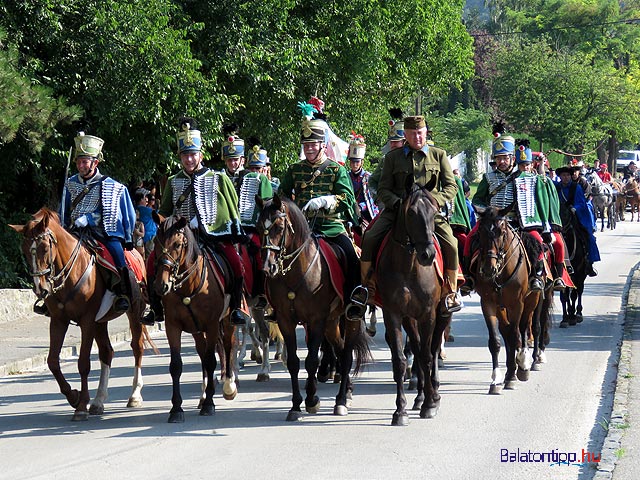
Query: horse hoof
[[337, 378], [495, 389], [340, 410], [253, 356], [176, 417], [314, 408], [80, 416], [564, 324], [230, 396], [429, 412], [278, 356], [74, 398], [207, 410], [323, 377], [579, 318], [536, 367], [258, 359], [371, 331], [134, 402], [510, 385], [263, 377], [413, 384], [573, 322], [523, 375], [400, 419], [440, 362], [96, 409], [241, 364], [417, 404], [294, 416], [349, 401]]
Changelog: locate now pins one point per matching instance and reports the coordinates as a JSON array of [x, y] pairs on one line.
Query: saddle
[[335, 258], [219, 266]]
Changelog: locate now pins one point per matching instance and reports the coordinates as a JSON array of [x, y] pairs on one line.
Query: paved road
[[562, 410]]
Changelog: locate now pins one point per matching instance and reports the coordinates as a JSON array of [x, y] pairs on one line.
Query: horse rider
[[366, 208], [515, 187], [427, 166], [322, 189], [571, 195], [630, 171], [209, 201], [254, 183], [604, 175], [395, 139], [233, 158], [103, 205]]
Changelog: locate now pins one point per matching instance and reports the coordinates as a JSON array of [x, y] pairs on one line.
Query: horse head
[[417, 216], [283, 229], [493, 239], [176, 253], [40, 248]]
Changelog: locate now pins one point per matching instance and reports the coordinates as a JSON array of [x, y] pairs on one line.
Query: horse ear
[[478, 209], [157, 218], [18, 228], [259, 201], [181, 223], [277, 203]]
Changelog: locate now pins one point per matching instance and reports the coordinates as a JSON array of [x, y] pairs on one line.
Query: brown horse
[[300, 290], [502, 281], [66, 276], [194, 302], [410, 292], [632, 196]]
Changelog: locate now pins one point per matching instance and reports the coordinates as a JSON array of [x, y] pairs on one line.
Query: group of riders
[[337, 199]]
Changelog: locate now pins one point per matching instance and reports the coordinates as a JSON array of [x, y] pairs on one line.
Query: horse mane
[[170, 224], [418, 191], [487, 219], [301, 228]]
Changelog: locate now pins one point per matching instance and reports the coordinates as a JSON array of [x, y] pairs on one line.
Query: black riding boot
[[591, 272], [535, 279], [469, 283], [238, 317], [258, 289], [156, 310], [123, 292]]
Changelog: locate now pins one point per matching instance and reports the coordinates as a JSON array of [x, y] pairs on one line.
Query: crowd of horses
[[612, 200], [301, 290]]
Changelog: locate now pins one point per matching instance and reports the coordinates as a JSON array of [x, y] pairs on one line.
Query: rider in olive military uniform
[[426, 166]]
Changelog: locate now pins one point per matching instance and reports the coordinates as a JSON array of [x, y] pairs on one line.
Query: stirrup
[[360, 296], [151, 318], [261, 302], [559, 285], [535, 285], [238, 317], [453, 302]]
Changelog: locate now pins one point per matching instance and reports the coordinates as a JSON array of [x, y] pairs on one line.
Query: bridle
[[280, 250], [56, 281], [502, 252], [166, 260]]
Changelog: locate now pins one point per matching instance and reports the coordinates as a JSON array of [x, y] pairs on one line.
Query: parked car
[[625, 157]]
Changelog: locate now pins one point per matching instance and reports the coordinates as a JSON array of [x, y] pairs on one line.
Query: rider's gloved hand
[[327, 201], [81, 222]]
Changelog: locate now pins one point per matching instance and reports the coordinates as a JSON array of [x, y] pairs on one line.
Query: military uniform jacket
[[301, 182], [107, 205], [363, 195], [207, 195], [252, 184], [427, 167], [460, 215]]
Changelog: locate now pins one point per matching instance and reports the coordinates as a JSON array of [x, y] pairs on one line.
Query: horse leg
[[494, 348], [536, 329], [201, 349], [105, 353], [311, 363], [565, 297], [57, 331], [327, 368], [572, 307], [393, 335], [431, 351], [176, 415], [371, 328], [416, 371], [511, 337], [241, 344], [87, 327], [293, 365], [262, 339], [579, 290], [230, 386], [138, 334], [208, 359]]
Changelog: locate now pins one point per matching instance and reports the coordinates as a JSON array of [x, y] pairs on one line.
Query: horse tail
[[361, 350], [148, 341], [531, 246]]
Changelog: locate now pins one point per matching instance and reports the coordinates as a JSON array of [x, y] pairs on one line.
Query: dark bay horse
[[502, 281], [194, 302], [300, 290], [66, 276], [577, 251], [410, 292]]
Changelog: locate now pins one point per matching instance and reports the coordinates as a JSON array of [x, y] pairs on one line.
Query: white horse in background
[[603, 200]]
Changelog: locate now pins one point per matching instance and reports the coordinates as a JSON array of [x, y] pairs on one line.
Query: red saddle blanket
[[438, 263], [132, 257], [335, 270]]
